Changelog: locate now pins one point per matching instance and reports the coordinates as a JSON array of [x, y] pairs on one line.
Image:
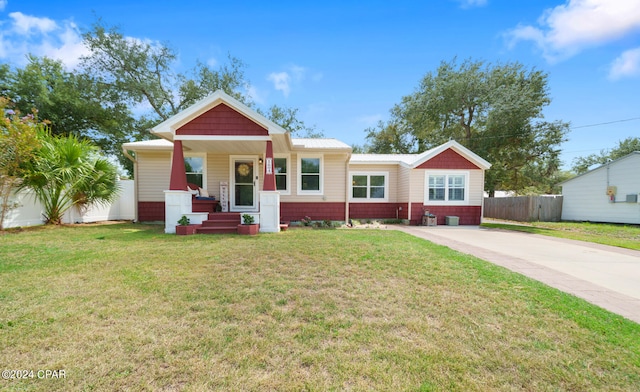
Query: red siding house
[[220, 148]]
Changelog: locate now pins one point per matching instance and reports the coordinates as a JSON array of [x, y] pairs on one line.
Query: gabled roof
[[167, 128], [415, 160], [633, 154]]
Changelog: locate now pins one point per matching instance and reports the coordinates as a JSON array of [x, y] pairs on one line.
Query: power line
[[605, 123]]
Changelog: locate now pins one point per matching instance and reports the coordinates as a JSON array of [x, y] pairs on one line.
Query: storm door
[[244, 185]]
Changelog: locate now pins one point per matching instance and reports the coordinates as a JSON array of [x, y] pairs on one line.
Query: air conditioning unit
[[632, 198]]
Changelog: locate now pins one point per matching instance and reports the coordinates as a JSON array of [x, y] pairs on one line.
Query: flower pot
[[249, 229], [186, 229]]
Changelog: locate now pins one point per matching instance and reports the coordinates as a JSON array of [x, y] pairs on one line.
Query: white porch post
[[269, 211], [176, 204]]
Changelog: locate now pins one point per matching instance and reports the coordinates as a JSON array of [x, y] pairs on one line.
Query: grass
[[125, 307], [624, 236]]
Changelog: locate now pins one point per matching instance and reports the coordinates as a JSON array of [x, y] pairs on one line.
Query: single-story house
[[609, 193], [252, 165]]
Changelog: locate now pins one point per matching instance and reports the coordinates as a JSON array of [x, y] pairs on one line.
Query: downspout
[[409, 198], [482, 199], [346, 192]]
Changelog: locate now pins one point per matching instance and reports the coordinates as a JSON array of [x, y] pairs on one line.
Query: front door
[[244, 185]]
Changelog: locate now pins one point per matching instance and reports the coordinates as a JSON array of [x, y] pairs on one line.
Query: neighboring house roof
[[415, 160], [633, 154]]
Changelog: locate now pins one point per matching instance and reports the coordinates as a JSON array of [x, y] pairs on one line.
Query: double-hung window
[[194, 166], [369, 186], [281, 166], [310, 175], [447, 187]]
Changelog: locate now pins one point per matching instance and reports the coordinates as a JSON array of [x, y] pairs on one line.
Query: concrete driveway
[[606, 276]]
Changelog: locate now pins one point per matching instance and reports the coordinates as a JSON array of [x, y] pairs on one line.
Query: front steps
[[220, 223]]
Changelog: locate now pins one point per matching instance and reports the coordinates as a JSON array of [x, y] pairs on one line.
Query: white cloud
[[27, 25], [254, 94], [212, 62], [3, 4], [465, 4], [69, 48], [293, 76], [298, 72], [26, 34], [281, 81], [626, 65], [567, 29]]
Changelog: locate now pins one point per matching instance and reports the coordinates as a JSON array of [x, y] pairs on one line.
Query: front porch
[[223, 213], [226, 150]]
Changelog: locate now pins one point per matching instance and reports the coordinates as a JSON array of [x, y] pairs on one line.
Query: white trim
[[446, 201], [223, 138], [232, 183], [289, 174], [369, 199], [321, 174]]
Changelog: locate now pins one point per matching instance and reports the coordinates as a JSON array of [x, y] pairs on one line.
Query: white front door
[[244, 183]]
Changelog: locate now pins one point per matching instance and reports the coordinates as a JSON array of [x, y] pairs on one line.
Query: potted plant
[[184, 228], [248, 226]]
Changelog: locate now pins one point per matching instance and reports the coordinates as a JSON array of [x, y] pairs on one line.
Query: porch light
[[260, 161]]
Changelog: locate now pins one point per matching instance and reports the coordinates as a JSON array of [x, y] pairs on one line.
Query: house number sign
[[269, 165]]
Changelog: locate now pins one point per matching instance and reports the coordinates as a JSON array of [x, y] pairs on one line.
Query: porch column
[[269, 172], [178, 181]]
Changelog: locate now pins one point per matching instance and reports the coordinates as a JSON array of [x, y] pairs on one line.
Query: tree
[[66, 172], [625, 147], [142, 73], [18, 143], [73, 103], [108, 99], [288, 119], [494, 110]]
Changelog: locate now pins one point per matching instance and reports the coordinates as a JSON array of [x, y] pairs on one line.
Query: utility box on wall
[[632, 198]]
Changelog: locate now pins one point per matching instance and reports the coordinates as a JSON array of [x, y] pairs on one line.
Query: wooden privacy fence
[[546, 208]]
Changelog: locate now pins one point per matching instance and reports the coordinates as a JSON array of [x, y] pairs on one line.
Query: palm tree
[[68, 172]]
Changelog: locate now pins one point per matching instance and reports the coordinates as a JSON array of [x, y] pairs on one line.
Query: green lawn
[[126, 307], [624, 236]]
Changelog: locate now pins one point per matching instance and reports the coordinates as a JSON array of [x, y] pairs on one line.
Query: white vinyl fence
[[29, 213]]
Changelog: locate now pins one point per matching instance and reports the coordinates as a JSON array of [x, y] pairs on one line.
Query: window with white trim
[[369, 186], [310, 175], [455, 187], [447, 187], [281, 166], [194, 168]]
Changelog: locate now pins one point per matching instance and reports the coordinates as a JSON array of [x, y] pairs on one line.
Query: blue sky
[[344, 64]]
